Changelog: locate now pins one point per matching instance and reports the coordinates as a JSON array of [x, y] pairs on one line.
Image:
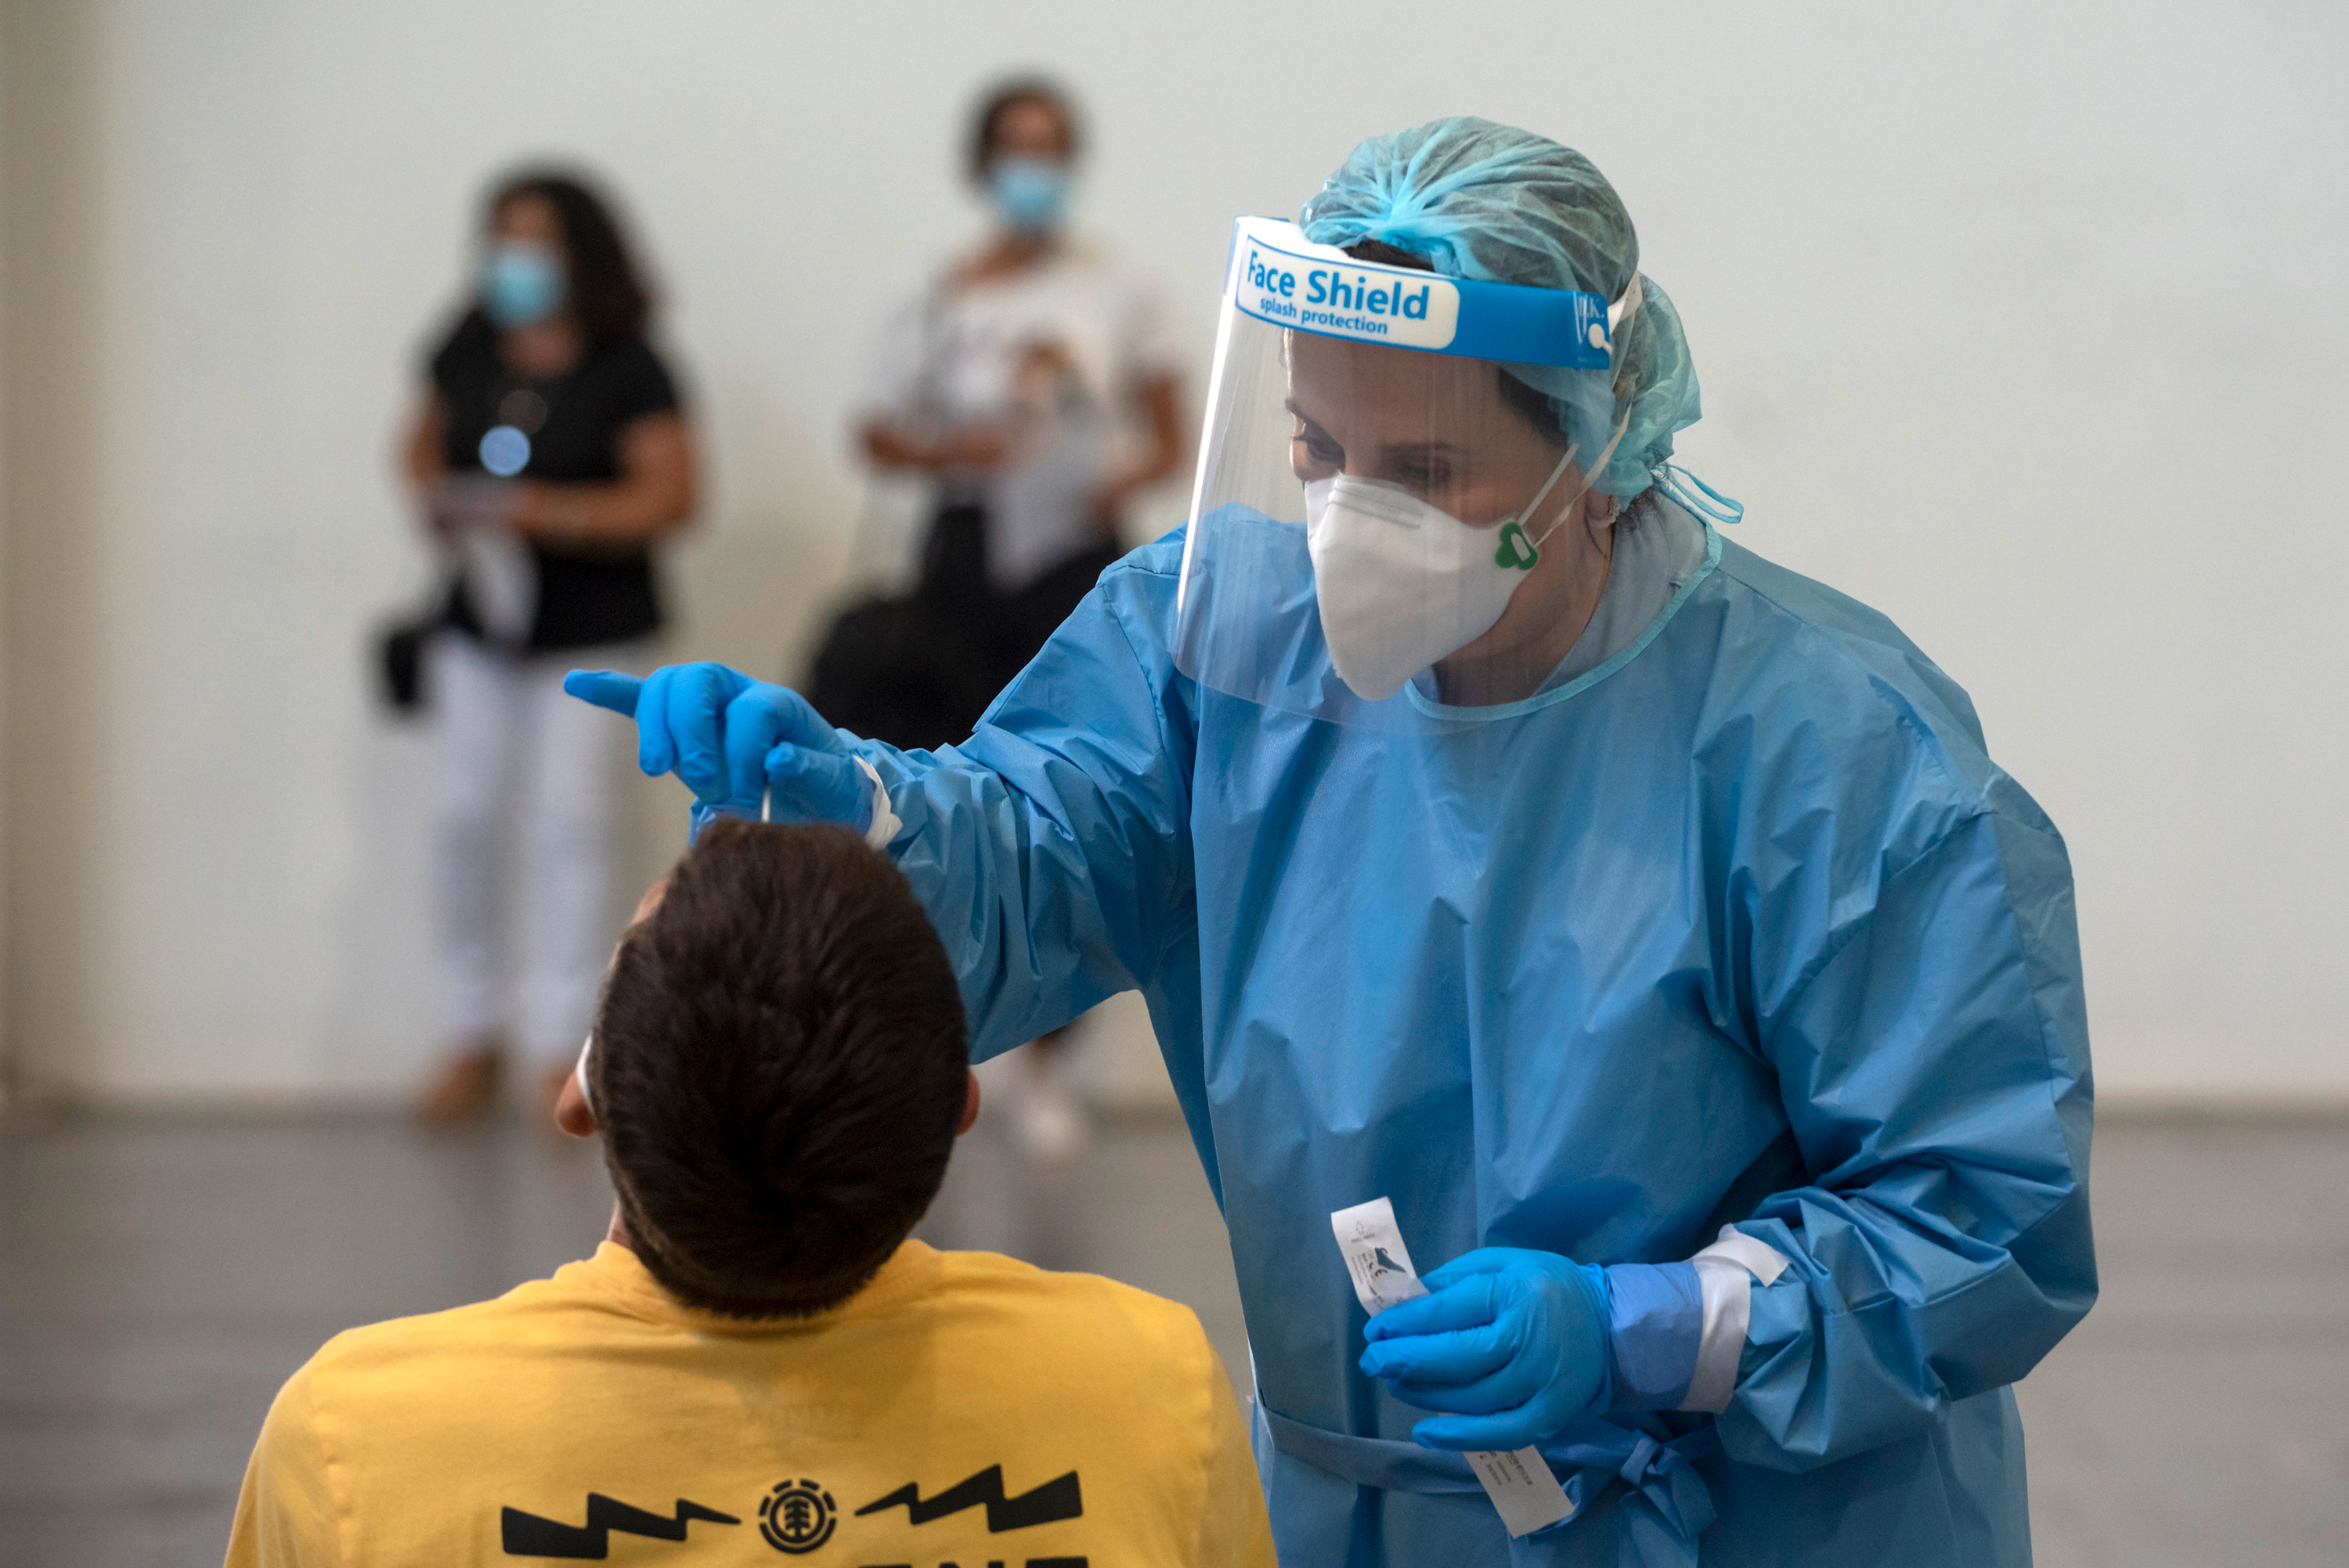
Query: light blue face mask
[[1030, 194], [522, 283]]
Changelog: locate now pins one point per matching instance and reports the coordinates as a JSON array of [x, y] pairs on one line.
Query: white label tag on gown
[[1521, 1484]]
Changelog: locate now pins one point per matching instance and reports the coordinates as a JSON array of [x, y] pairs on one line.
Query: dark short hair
[[778, 1067], [986, 125], [607, 293]]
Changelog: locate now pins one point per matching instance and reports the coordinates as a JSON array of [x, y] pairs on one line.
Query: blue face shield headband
[[1281, 278]]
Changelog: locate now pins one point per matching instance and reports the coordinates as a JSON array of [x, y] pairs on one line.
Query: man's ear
[[572, 1112], [970, 1104]]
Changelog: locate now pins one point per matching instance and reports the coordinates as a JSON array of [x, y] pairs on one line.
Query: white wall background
[[2023, 324]]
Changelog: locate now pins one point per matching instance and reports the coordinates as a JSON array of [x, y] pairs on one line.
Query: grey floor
[[159, 1278]]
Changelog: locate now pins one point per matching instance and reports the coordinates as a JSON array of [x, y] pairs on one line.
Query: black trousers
[[918, 671]]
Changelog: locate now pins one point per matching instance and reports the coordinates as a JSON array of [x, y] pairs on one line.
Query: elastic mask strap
[[1517, 551], [1514, 537], [1713, 505], [1588, 479], [1534, 505]]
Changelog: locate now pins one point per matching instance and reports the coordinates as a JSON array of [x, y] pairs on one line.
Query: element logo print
[[798, 1516]]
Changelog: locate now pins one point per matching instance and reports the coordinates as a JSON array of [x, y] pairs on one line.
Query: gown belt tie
[[1667, 1507]]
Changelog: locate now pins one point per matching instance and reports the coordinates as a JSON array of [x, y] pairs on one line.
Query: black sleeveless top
[[585, 595]]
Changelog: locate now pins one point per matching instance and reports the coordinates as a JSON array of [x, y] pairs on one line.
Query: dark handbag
[[399, 657], [919, 671], [900, 670]]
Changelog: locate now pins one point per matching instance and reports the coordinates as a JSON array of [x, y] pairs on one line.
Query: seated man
[[759, 1360]]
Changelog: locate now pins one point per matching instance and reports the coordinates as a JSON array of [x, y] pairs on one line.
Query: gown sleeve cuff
[[1725, 1271], [881, 825], [885, 823], [1655, 1323]]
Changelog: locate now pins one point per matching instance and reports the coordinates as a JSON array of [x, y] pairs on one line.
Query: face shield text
[[1407, 309]]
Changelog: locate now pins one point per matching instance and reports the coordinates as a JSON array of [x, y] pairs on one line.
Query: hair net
[[1490, 202]]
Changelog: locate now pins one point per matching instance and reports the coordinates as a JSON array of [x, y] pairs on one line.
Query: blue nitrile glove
[[738, 744], [1511, 1344]]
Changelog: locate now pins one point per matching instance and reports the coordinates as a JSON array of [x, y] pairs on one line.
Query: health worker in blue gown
[[1488, 833]]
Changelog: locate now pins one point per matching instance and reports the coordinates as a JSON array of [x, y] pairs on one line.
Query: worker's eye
[[1423, 474], [1323, 451]]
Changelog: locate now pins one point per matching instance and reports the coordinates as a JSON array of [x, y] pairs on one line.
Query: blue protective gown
[[1745, 927]]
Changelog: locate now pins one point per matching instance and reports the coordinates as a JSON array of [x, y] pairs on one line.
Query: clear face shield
[[1385, 508]]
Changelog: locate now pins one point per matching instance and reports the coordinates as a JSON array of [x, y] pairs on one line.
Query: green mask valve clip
[[1516, 550]]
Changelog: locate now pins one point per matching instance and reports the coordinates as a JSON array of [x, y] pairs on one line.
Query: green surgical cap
[[1500, 205]]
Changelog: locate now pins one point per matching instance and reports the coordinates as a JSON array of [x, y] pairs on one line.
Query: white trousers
[[519, 766]]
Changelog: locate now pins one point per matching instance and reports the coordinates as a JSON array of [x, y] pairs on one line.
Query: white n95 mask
[[1401, 583]]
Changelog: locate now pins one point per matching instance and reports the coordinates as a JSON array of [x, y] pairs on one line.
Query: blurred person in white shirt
[[1033, 387]]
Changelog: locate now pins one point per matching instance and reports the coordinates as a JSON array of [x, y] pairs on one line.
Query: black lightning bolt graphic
[[528, 1535], [1054, 1499]]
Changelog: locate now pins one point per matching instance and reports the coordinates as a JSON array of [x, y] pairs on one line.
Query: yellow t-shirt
[[962, 1408]]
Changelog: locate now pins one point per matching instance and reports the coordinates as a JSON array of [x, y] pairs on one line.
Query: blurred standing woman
[[550, 453], [1033, 385]]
